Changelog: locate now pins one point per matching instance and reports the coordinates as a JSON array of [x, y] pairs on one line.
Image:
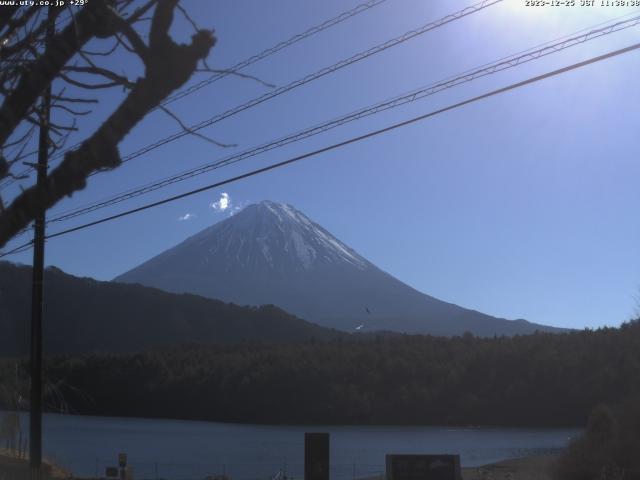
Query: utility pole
[[35, 414]]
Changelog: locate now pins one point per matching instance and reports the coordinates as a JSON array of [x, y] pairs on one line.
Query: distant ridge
[[84, 315], [271, 253]]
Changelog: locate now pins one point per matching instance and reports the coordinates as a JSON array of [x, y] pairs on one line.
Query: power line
[[352, 140], [468, 76], [363, 7], [307, 79], [21, 248], [276, 48], [360, 56], [316, 75]]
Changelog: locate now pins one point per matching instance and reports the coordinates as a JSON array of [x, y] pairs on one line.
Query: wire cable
[[19, 249], [350, 141], [274, 49], [468, 76], [307, 79], [316, 75], [363, 7]]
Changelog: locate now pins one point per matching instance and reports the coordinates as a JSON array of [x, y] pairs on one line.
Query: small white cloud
[[187, 216], [223, 203]]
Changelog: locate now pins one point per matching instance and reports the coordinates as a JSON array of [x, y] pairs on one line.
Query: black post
[[316, 456], [35, 417]]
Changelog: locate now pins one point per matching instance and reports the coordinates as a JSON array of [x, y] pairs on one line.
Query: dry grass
[[14, 468], [528, 468]]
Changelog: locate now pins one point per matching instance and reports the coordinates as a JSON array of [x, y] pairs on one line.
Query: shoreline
[[487, 426], [535, 467]]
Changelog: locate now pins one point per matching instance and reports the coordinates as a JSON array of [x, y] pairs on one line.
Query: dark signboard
[[111, 472], [423, 467], [316, 456]]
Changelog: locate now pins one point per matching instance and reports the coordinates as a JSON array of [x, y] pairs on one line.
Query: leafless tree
[[29, 63]]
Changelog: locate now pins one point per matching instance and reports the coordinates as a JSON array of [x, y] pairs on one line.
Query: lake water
[[184, 450]]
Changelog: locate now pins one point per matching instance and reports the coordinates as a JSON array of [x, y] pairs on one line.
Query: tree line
[[539, 380]]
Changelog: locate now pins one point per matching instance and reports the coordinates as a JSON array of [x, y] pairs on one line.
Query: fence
[[238, 471]]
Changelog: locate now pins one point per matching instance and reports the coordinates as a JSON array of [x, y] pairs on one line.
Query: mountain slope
[[82, 314], [271, 253]]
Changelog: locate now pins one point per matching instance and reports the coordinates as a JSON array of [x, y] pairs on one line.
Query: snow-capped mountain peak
[[307, 240], [269, 235], [281, 236], [272, 253]]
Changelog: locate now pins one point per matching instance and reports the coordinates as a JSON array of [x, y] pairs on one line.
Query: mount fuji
[[270, 253]]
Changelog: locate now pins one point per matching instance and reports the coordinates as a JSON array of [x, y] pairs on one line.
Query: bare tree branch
[[27, 39], [168, 67], [207, 69], [106, 53], [19, 140], [135, 16], [94, 70], [73, 100], [90, 22], [6, 16], [193, 132], [13, 24], [80, 113], [186, 15], [137, 44]]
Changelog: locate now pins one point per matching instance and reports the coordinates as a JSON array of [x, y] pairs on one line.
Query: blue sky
[[520, 206]]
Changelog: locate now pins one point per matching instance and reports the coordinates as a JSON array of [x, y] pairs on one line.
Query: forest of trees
[[608, 448], [533, 380]]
